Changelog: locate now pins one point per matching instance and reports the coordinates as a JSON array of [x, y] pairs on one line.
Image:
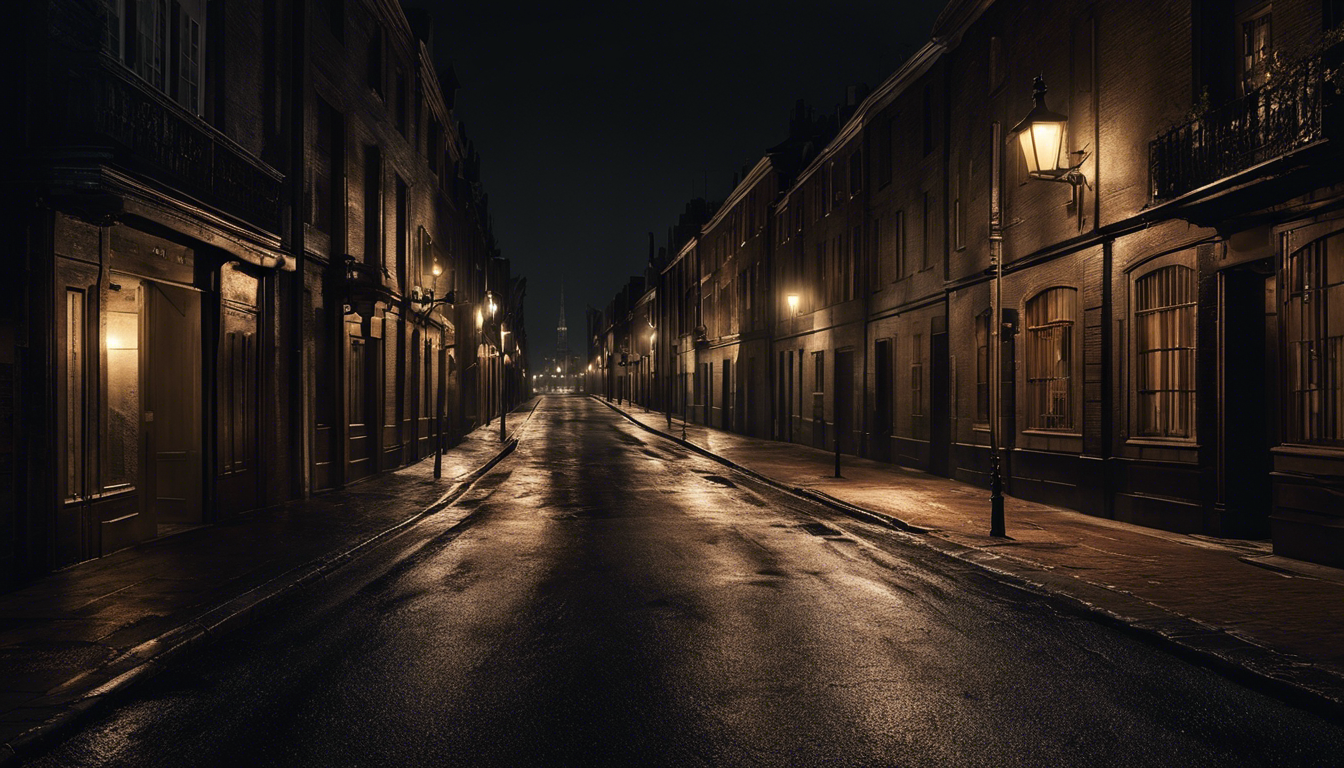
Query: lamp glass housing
[[1040, 146], [1041, 136]]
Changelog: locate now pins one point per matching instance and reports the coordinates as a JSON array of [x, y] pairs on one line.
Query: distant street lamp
[[1040, 137], [425, 301]]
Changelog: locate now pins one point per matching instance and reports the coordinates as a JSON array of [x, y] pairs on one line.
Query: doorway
[[885, 370], [844, 399], [1248, 343]]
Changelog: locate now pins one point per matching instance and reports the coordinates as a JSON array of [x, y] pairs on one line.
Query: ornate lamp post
[[425, 301], [1040, 137]]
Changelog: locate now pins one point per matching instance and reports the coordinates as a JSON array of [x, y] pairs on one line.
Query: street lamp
[[1040, 137], [792, 300], [425, 301]]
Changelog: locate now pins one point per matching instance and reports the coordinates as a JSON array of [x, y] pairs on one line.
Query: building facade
[[1170, 330], [232, 222]]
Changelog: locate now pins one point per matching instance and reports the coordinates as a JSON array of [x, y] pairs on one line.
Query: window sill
[[1157, 442]]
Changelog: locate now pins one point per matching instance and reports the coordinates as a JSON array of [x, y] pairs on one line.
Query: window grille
[[1314, 330], [1051, 315], [1164, 328]]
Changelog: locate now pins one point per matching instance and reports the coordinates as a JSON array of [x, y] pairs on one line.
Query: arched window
[[1164, 348], [1314, 331], [1050, 317]]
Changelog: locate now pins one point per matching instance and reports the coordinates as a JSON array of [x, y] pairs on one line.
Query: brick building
[[1171, 341], [228, 217]]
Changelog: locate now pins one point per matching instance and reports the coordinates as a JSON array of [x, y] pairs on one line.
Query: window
[[928, 121], [189, 65], [958, 221], [111, 14], [818, 372], [402, 107], [855, 173], [373, 206], [319, 188], [856, 261], [374, 61], [997, 70], [1049, 359], [150, 43], [883, 141], [925, 259], [74, 393], [982, 363], [917, 375], [123, 304], [1255, 47], [898, 243], [356, 368], [1164, 340], [1314, 330], [880, 270], [432, 148]]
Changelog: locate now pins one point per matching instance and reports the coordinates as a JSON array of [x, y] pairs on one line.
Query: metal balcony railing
[[1287, 114], [152, 135]]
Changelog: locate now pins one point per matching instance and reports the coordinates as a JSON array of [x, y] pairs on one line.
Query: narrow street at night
[[683, 615]]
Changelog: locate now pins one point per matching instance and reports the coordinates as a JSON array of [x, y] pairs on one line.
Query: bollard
[[837, 453]]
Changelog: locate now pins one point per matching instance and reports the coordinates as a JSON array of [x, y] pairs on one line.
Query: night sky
[[596, 125]]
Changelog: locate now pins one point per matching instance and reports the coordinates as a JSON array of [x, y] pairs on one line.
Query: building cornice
[[753, 177]]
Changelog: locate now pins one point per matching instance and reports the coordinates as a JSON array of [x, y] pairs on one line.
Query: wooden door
[[173, 404], [844, 399], [237, 408], [884, 368]]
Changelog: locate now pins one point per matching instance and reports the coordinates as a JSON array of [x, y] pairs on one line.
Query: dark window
[[883, 148], [402, 107], [997, 70], [917, 375], [818, 372], [373, 206], [928, 120], [855, 172], [374, 59], [321, 173], [898, 243], [982, 363], [927, 253]]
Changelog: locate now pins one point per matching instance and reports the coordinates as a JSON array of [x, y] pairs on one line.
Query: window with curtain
[[1050, 318], [1314, 334], [1164, 349]]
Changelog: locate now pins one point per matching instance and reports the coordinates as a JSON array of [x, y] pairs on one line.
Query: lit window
[[1164, 331], [1051, 315], [1314, 330]]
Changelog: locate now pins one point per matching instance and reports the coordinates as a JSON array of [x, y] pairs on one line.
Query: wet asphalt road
[[614, 600]]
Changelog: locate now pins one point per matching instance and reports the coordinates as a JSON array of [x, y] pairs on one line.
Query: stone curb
[[1296, 682], [151, 657], [818, 497]]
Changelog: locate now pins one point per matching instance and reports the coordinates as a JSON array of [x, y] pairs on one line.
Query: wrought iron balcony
[[1292, 112], [151, 136]]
